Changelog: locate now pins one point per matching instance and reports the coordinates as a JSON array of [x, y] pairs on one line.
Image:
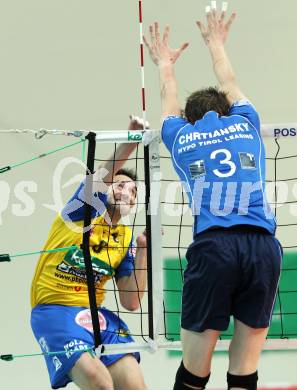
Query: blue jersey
[[221, 162]]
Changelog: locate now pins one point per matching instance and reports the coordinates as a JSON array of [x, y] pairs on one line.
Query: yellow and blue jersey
[[221, 162], [60, 277]]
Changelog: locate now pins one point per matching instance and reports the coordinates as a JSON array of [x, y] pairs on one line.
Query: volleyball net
[[162, 204]]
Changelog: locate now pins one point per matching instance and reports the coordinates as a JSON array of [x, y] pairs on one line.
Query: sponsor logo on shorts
[[57, 363], [84, 319], [43, 344], [75, 346]]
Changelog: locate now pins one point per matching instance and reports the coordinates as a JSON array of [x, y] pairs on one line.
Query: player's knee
[[248, 382], [185, 380], [140, 385], [133, 382], [98, 381]]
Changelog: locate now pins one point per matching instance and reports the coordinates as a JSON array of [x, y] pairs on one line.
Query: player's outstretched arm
[[165, 57], [131, 288], [215, 33], [105, 172]]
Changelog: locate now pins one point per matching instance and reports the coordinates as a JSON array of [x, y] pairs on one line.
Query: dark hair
[[204, 100], [127, 172]]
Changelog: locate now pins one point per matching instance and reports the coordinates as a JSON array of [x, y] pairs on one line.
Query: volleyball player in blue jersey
[[234, 261]]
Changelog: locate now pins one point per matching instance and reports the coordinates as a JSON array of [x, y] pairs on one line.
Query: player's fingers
[[157, 32], [222, 17], [181, 49], [213, 7], [209, 16], [224, 10], [231, 20], [201, 27], [152, 35], [145, 42], [149, 47], [166, 35], [207, 9], [183, 46]]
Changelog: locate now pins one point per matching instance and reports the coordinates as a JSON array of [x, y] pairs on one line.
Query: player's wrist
[[164, 64], [215, 44]]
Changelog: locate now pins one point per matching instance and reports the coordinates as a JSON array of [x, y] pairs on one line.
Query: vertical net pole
[[149, 241], [154, 236], [91, 137]]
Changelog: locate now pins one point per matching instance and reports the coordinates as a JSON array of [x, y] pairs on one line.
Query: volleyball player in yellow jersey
[[60, 317]]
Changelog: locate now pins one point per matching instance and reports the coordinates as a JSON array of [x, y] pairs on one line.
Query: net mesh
[[281, 191], [136, 320]]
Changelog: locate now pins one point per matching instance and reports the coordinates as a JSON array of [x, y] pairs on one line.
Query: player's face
[[122, 194]]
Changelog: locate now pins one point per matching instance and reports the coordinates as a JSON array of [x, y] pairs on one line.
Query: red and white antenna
[[142, 64]]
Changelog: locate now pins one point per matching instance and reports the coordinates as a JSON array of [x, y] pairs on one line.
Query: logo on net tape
[[285, 132], [84, 319], [135, 136]]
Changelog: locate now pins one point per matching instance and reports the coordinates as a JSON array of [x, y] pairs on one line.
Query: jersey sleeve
[[247, 110], [127, 265], [74, 210], [171, 125]]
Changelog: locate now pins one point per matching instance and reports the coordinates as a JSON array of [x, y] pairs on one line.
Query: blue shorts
[[67, 328], [230, 271]]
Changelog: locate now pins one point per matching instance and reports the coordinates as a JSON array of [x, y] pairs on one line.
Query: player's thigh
[[198, 348], [261, 264], [210, 278], [90, 373], [245, 348], [126, 374]]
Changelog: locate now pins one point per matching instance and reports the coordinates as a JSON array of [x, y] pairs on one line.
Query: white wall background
[[74, 64]]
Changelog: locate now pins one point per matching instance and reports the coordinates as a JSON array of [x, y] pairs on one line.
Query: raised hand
[[136, 123], [217, 29], [159, 49]]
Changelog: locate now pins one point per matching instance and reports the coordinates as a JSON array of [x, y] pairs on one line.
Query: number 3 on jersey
[[225, 161]]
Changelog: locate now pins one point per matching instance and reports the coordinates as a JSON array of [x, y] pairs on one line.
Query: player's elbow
[[132, 307], [131, 304]]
